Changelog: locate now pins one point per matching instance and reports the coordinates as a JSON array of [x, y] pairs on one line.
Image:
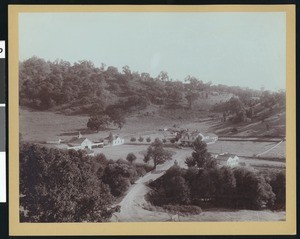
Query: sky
[[232, 48]]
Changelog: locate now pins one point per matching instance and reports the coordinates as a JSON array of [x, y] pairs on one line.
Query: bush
[[133, 139], [141, 139], [172, 141], [164, 141], [183, 209], [131, 157], [148, 139]]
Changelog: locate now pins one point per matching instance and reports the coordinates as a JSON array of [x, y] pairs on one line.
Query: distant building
[[80, 142], [114, 141], [209, 138], [117, 140], [231, 160], [188, 138]]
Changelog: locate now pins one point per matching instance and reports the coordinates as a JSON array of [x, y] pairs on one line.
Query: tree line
[[80, 87]]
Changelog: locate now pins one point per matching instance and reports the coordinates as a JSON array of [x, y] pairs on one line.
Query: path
[[268, 150], [132, 204]]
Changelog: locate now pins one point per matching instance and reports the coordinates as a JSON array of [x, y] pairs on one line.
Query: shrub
[[183, 209], [164, 141], [148, 139], [141, 139], [133, 139], [130, 157], [172, 141]]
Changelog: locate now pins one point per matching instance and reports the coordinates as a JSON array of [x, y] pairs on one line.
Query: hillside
[[83, 89]]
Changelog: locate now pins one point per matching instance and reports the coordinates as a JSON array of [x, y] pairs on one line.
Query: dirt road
[[132, 204]]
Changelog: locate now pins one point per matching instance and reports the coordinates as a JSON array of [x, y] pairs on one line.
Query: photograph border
[[16, 228]]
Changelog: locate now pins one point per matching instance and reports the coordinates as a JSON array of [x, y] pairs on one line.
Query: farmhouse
[[231, 160], [80, 142], [117, 140], [209, 138], [188, 138], [114, 140]]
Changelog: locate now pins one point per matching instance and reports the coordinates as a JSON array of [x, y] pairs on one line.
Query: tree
[[110, 137], [278, 183], [252, 190], [98, 122], [61, 186], [177, 189], [131, 157], [191, 98], [126, 70], [200, 157], [163, 76], [116, 115], [141, 139], [119, 175], [157, 153], [133, 139]]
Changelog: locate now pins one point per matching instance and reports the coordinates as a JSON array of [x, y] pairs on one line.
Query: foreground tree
[[157, 153], [61, 186], [200, 157]]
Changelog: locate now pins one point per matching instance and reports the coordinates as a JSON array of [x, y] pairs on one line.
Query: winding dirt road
[[132, 204]]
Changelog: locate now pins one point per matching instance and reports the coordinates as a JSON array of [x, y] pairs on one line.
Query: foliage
[[98, 122], [83, 88], [61, 186], [148, 139], [183, 209], [133, 139], [157, 153], [141, 139], [278, 182], [206, 185], [131, 157], [200, 157], [69, 186]]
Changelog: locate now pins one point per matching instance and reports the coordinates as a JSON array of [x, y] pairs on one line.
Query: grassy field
[[248, 148], [39, 126], [42, 126]]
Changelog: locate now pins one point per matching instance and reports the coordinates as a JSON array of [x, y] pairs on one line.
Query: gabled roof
[[75, 141], [225, 156]]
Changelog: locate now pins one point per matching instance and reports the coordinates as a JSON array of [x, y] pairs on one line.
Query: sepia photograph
[[152, 116]]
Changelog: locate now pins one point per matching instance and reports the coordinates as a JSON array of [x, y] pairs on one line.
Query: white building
[[80, 142], [231, 160], [188, 138]]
